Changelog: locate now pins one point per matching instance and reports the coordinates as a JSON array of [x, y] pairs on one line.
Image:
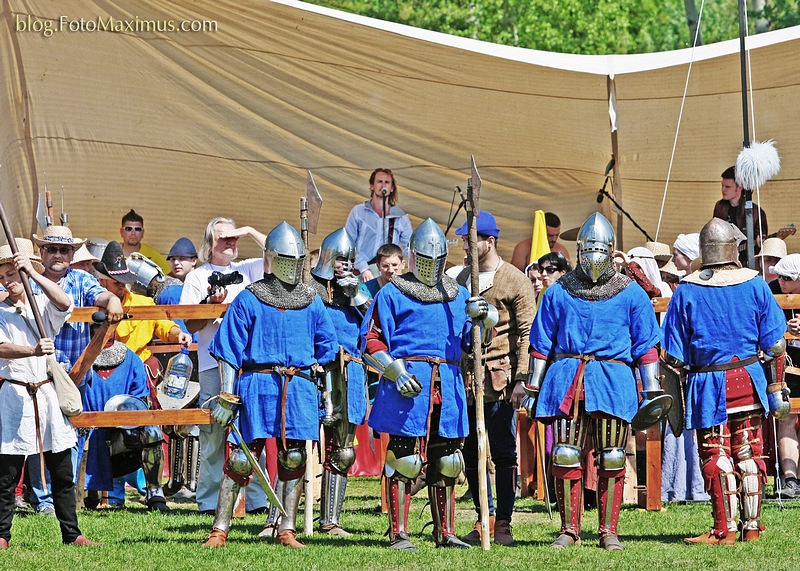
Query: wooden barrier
[[141, 418]]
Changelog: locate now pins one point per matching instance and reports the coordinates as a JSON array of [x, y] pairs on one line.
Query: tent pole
[[748, 192]]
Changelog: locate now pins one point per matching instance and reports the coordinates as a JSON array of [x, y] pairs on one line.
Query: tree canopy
[[574, 26]]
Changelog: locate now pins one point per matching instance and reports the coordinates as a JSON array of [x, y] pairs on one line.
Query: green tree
[[571, 26]]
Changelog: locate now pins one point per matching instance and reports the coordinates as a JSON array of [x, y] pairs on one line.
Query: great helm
[[719, 243], [596, 246], [337, 244], [286, 252], [427, 253]]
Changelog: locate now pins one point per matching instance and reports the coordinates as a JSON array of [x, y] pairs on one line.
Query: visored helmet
[[286, 252], [595, 246], [427, 253], [145, 269], [336, 245], [719, 243]]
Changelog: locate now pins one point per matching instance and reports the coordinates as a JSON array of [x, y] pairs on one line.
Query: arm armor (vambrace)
[[536, 369]]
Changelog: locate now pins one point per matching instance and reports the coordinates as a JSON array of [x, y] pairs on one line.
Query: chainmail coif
[[112, 356], [608, 285], [445, 290], [276, 293]]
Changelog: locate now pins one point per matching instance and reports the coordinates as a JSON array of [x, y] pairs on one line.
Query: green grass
[[134, 540]]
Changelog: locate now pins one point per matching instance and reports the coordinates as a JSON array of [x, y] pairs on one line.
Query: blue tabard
[[253, 333], [707, 325], [622, 328], [413, 328]]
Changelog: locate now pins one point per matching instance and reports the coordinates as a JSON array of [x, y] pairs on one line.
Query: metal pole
[[748, 192]]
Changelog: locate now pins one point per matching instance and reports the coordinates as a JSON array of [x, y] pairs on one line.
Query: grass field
[[134, 539]]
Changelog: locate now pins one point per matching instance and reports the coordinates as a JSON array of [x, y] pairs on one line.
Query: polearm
[[37, 317], [473, 198], [748, 191], [310, 206]]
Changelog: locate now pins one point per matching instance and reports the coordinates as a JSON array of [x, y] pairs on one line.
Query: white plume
[[756, 164]]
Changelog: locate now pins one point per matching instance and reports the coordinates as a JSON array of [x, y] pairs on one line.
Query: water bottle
[[176, 377]]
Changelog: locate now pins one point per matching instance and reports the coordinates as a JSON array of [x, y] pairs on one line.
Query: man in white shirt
[[217, 254]]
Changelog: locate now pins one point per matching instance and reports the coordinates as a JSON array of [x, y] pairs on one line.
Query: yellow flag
[[539, 244]]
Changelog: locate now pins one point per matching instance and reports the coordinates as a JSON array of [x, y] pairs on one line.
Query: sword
[[260, 474], [540, 446]]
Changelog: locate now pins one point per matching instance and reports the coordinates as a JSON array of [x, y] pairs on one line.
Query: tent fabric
[[186, 126]]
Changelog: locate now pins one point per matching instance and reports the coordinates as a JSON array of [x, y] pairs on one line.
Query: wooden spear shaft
[[308, 519], [477, 371]]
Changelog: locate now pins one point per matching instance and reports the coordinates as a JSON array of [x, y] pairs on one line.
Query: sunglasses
[[550, 270], [58, 249], [785, 278], [132, 228]]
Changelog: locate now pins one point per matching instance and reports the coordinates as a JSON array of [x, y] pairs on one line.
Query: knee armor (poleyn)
[[450, 466], [292, 458], [342, 459], [237, 460], [566, 456], [611, 459], [407, 467]]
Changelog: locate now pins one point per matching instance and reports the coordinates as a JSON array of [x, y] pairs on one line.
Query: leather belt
[[436, 362], [724, 366], [579, 377], [32, 389], [287, 373], [277, 370]]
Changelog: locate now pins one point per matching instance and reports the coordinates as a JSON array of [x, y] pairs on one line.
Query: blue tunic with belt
[[708, 325], [622, 328], [254, 333], [130, 378], [347, 322], [413, 328]]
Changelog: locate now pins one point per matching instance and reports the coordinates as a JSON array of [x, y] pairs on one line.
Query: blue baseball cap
[[485, 224], [184, 248]]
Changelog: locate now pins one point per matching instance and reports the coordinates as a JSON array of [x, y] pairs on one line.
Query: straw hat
[[25, 247], [83, 254], [773, 248], [57, 235], [661, 252], [669, 268]]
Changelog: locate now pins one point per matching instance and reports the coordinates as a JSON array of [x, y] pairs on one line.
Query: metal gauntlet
[[394, 370], [223, 409]]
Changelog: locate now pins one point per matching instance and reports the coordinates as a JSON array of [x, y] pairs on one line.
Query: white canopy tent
[[185, 126]]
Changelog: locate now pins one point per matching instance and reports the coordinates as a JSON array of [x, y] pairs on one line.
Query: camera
[[218, 280]]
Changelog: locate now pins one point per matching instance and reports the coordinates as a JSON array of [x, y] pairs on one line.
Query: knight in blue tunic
[[414, 334], [273, 332], [118, 375], [344, 392], [717, 322], [593, 326]]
